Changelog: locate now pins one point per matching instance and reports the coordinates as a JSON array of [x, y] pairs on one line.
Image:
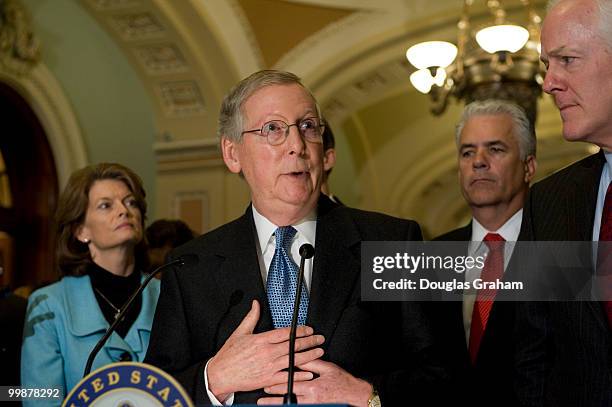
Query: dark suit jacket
[[564, 351], [386, 343], [12, 315], [488, 381]]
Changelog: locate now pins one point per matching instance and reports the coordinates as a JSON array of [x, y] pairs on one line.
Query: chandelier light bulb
[[498, 38], [422, 80], [431, 54]]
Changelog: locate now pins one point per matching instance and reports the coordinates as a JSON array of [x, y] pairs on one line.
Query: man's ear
[[329, 159], [231, 155], [531, 165]]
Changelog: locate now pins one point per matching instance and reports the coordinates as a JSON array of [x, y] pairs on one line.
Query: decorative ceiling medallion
[[138, 26], [182, 98], [114, 4], [162, 58], [19, 47]]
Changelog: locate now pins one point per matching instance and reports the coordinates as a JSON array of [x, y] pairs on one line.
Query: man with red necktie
[[496, 155], [565, 348]]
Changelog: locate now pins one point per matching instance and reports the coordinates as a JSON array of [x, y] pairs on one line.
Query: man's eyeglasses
[[276, 131]]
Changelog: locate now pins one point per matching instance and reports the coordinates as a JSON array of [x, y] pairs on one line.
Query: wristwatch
[[374, 400]]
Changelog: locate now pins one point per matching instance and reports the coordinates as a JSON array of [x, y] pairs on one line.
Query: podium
[[133, 384], [128, 384]]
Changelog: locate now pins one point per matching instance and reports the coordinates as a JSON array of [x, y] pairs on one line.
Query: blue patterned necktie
[[282, 281]]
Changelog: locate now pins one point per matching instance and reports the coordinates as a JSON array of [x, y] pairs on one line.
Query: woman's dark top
[[116, 289]]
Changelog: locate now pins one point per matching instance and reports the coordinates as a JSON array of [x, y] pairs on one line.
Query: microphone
[[188, 259], [306, 252]]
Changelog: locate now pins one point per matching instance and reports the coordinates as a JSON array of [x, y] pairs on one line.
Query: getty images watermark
[[446, 271]]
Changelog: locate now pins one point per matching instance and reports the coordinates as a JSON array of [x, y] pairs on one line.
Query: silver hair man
[[522, 127], [605, 17]]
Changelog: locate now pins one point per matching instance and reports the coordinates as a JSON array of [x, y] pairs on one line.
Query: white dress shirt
[[510, 232], [306, 233]]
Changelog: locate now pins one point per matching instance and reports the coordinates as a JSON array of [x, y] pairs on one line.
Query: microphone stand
[[306, 252], [119, 317]]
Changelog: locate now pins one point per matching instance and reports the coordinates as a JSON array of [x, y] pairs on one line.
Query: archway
[[31, 184]]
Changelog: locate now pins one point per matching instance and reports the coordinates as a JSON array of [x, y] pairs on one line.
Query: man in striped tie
[[221, 326]]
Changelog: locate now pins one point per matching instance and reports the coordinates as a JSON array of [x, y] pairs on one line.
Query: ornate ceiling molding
[[187, 154], [19, 47], [177, 56]]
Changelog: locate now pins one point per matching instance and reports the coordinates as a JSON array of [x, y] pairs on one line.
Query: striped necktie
[[282, 282], [493, 270]]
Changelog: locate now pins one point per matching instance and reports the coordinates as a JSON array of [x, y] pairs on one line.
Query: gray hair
[[231, 116], [522, 127], [605, 18]]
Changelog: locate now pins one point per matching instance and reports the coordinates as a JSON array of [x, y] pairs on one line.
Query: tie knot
[[492, 240], [284, 235]]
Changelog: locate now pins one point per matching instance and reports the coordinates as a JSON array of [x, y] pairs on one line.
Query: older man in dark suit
[[496, 154], [221, 325], [565, 354]]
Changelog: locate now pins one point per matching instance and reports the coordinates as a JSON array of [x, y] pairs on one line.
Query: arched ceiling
[[86, 88], [394, 156]]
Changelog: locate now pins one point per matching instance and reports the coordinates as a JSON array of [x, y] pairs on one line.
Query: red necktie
[[493, 270], [603, 254]]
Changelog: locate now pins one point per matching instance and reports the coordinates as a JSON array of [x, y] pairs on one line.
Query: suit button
[[125, 357]]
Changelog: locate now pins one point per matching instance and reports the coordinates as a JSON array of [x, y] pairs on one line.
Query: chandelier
[[498, 60]]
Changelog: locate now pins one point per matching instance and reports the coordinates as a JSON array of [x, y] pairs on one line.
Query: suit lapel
[[582, 201], [239, 277], [455, 327], [463, 234], [581, 214], [336, 267]]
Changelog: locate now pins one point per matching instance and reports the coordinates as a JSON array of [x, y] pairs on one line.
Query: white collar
[[306, 227], [509, 230], [608, 156]]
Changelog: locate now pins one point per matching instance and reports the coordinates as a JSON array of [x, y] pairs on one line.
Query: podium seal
[[128, 384]]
